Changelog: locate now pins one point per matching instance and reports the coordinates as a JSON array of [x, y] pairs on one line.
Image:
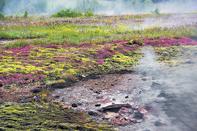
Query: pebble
[[36, 98], [158, 123], [99, 97], [139, 121], [97, 92], [138, 115], [92, 113], [57, 96], [144, 79], [36, 90], [155, 85], [98, 105], [74, 105]]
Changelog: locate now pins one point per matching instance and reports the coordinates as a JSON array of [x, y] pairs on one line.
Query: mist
[[104, 7]]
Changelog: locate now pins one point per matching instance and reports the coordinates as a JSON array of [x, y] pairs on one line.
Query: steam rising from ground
[[107, 7]]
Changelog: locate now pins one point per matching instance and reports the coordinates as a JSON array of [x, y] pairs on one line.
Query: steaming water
[[168, 21], [171, 93]]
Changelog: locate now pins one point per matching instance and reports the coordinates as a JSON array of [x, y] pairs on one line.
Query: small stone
[[83, 76], [189, 62], [97, 92], [138, 115], [74, 105], [158, 123], [113, 99], [112, 84], [155, 85], [36, 98], [139, 121], [144, 79], [79, 104], [92, 113], [126, 97], [162, 94], [57, 96], [99, 97], [36, 90], [98, 105]]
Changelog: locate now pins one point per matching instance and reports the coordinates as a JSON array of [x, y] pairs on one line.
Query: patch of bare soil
[[105, 98]]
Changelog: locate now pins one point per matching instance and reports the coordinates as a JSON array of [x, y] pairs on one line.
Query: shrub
[[68, 13], [72, 13], [2, 15], [89, 13], [25, 14]]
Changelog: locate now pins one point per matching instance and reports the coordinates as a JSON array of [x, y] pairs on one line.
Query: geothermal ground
[[127, 73], [162, 96]]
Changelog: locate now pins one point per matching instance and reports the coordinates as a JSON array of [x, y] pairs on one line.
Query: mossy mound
[[167, 53], [43, 117]]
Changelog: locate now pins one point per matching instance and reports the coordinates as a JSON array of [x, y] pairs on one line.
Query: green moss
[[166, 54], [9, 65], [120, 62], [35, 116], [122, 59]]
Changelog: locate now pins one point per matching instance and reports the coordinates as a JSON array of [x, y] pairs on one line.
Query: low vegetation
[[52, 54], [45, 117], [2, 16], [76, 34], [73, 13]]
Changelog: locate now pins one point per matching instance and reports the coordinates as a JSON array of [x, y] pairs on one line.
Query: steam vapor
[[106, 7]]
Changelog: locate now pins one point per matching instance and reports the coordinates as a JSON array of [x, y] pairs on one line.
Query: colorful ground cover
[[65, 62], [54, 62], [45, 117], [46, 54]]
